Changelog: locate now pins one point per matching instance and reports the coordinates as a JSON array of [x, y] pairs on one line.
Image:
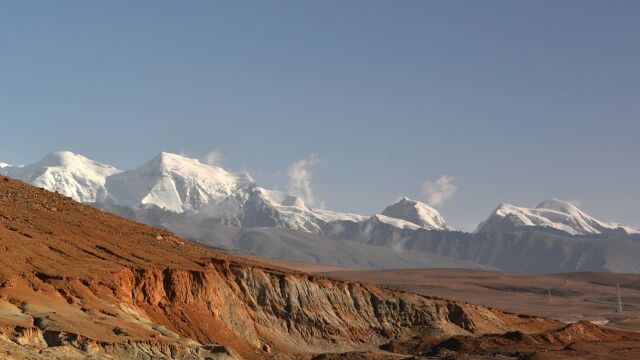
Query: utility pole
[[619, 306]]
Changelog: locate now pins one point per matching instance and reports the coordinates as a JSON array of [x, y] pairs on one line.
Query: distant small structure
[[619, 306]]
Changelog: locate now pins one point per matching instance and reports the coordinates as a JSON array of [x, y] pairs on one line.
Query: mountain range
[[80, 283], [219, 208], [551, 213], [181, 184]]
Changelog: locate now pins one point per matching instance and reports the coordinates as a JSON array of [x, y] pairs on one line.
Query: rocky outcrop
[[33, 343]]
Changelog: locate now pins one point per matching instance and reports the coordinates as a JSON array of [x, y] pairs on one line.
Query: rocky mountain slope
[[79, 282], [528, 250], [552, 214], [287, 244]]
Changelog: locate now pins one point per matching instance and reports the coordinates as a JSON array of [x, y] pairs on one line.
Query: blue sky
[[514, 101]]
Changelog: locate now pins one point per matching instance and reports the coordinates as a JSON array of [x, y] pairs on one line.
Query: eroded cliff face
[[298, 313], [241, 310], [78, 282], [68, 318]]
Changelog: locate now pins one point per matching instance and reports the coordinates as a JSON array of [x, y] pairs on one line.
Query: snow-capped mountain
[[197, 200], [182, 185], [398, 222], [174, 182], [67, 173], [551, 213], [417, 213]]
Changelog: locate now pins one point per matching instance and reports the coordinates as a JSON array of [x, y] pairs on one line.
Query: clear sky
[[515, 101]]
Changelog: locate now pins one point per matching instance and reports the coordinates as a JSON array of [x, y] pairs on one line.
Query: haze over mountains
[[229, 210]]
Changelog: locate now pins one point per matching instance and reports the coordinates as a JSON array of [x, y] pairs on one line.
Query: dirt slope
[[78, 282]]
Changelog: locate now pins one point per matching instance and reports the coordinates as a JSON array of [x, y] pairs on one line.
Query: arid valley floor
[[574, 297]]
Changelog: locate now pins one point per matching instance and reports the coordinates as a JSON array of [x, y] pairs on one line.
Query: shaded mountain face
[[553, 214], [528, 250], [287, 244], [77, 282]]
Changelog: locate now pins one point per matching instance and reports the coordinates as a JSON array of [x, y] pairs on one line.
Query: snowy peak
[[417, 213], [64, 159], [166, 162], [174, 182], [68, 173], [189, 168], [552, 213], [72, 161], [559, 205]]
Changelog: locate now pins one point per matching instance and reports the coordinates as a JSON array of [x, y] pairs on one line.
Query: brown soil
[[76, 282]]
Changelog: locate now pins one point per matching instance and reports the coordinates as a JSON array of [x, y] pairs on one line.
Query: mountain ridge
[[181, 184], [551, 213], [406, 233]]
